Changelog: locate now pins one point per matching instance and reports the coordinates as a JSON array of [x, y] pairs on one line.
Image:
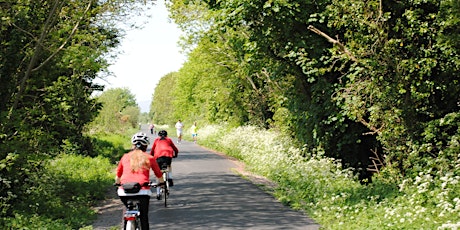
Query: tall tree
[[161, 108]]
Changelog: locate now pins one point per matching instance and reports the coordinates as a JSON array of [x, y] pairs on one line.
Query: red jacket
[[142, 176], [163, 148]]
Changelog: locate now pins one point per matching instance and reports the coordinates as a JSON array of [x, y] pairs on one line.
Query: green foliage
[[111, 146], [50, 53], [439, 147], [405, 75], [20, 221], [60, 194], [161, 109], [331, 195], [351, 78], [118, 114], [198, 95]]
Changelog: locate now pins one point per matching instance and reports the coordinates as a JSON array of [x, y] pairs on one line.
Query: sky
[[147, 54]]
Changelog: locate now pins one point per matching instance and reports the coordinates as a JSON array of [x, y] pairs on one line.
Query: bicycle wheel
[[166, 189], [130, 225]]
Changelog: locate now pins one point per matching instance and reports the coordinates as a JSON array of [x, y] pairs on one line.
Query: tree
[[351, 78], [404, 78], [161, 108], [50, 53], [119, 112]]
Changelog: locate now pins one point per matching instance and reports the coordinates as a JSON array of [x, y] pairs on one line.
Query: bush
[[62, 194]]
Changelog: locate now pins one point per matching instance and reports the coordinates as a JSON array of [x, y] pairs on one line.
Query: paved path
[[208, 194]]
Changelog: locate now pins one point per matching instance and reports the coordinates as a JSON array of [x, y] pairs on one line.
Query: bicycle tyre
[[130, 225], [166, 189]]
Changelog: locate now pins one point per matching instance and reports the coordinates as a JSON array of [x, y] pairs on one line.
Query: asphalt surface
[[209, 194]]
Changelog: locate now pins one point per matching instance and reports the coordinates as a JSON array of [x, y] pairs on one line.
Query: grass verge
[[330, 194]]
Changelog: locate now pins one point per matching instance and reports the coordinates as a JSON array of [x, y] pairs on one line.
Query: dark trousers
[[143, 208]]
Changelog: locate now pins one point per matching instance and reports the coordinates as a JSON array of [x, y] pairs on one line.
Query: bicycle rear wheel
[[130, 225]]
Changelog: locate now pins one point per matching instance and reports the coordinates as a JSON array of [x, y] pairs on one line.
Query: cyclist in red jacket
[[163, 150], [135, 167]]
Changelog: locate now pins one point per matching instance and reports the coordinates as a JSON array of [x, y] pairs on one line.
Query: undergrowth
[[64, 190], [331, 194]]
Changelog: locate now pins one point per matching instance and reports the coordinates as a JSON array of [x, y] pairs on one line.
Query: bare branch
[[333, 41], [377, 162], [375, 130], [265, 72]]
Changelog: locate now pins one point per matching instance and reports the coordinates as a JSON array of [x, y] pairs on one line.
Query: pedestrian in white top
[[179, 127]]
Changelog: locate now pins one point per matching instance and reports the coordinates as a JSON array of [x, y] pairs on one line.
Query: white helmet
[[140, 138]]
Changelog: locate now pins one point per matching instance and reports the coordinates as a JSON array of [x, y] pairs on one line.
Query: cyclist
[[163, 150], [135, 167]]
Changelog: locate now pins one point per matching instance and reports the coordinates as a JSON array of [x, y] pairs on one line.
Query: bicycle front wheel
[[166, 193], [166, 189]]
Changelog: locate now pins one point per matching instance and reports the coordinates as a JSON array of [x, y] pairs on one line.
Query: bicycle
[[131, 217], [164, 191]]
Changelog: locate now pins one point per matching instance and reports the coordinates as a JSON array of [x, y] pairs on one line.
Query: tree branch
[[34, 57], [74, 29], [342, 48]]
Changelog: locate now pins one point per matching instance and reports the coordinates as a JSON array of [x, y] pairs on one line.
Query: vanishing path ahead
[[208, 194]]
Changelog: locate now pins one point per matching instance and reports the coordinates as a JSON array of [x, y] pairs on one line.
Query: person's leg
[[158, 189], [144, 209], [170, 179]]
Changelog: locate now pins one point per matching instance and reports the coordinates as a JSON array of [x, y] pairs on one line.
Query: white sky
[[147, 54]]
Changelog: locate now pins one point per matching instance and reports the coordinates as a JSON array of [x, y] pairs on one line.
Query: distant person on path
[[194, 129], [135, 167], [179, 127], [152, 129], [163, 150]]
